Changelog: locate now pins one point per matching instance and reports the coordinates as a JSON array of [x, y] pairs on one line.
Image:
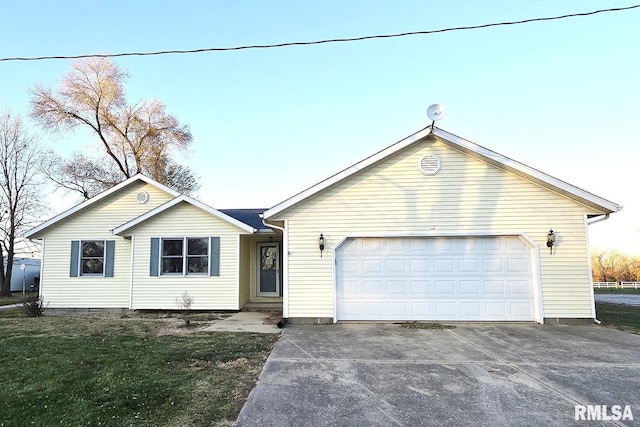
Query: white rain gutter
[[599, 219]]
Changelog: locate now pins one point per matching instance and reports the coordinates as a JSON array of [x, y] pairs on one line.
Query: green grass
[[616, 291], [15, 298], [623, 317], [98, 370]]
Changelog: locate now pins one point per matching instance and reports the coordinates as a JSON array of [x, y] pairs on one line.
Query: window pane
[[172, 265], [198, 246], [198, 264], [93, 249], [172, 247], [92, 266]]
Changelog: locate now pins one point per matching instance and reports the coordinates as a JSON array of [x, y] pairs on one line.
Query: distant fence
[[622, 285], [628, 285], [605, 284]]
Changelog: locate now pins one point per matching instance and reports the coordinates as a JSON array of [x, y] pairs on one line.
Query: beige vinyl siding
[[93, 223], [244, 275], [467, 196], [208, 292]]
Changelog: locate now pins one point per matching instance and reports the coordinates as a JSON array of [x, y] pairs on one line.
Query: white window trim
[[104, 258], [185, 257]]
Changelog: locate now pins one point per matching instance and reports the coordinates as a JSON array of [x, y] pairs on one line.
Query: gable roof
[[465, 146], [122, 229], [79, 207]]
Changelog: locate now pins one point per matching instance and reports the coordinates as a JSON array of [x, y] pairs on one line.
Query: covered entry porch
[[260, 267]]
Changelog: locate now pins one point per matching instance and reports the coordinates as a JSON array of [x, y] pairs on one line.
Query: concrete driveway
[[473, 375], [624, 299]]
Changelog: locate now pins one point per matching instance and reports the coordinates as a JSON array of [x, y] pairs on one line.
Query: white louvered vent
[[429, 165]]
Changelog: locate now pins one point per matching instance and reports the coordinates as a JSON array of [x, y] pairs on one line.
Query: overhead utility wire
[[316, 42]]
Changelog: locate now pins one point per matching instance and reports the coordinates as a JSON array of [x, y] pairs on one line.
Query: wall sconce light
[[551, 239], [321, 244]]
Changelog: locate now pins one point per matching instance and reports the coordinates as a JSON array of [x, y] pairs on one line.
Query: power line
[[317, 42]]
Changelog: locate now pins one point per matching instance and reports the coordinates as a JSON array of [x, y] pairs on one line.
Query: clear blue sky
[[560, 96]]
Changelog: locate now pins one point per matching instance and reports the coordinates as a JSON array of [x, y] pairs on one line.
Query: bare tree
[[613, 266], [139, 138], [20, 189]]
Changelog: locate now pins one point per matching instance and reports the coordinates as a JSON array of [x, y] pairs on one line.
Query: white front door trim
[[259, 247]]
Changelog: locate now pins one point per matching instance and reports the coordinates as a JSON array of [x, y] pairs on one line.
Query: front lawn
[[15, 298], [105, 370], [623, 317], [616, 291]]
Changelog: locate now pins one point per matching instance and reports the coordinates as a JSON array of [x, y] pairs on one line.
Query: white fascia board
[[346, 173], [533, 173], [492, 156], [122, 229], [91, 201]]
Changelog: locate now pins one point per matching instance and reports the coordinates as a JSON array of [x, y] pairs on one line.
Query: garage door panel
[[373, 288], [420, 310], [467, 278], [445, 309], [517, 265], [374, 309], [419, 287], [396, 266], [443, 266], [468, 266], [371, 245], [397, 287], [470, 287], [471, 310], [520, 288], [521, 310], [516, 245], [495, 287], [492, 265], [398, 309], [445, 287], [419, 266], [372, 266], [496, 309]]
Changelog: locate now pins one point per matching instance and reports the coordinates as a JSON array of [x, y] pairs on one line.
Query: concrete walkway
[[9, 306], [245, 321]]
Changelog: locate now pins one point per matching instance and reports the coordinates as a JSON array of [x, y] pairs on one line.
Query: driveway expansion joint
[[574, 400]]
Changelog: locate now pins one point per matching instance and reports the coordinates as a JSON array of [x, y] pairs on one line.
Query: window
[[185, 256], [92, 257]]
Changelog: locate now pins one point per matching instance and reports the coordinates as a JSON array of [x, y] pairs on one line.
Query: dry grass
[[142, 369]]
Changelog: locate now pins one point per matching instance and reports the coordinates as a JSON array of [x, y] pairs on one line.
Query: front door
[[268, 269]]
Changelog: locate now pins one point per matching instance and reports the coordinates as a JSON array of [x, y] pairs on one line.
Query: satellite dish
[[435, 112]]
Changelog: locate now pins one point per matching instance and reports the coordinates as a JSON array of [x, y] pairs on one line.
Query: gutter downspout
[[285, 281], [602, 218]]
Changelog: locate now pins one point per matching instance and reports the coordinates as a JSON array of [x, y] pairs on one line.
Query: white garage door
[[445, 278]]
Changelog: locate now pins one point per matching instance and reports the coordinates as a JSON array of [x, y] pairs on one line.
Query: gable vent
[[429, 165], [142, 197]]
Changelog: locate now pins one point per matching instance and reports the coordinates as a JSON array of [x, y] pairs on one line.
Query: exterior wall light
[[551, 239], [321, 244]]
